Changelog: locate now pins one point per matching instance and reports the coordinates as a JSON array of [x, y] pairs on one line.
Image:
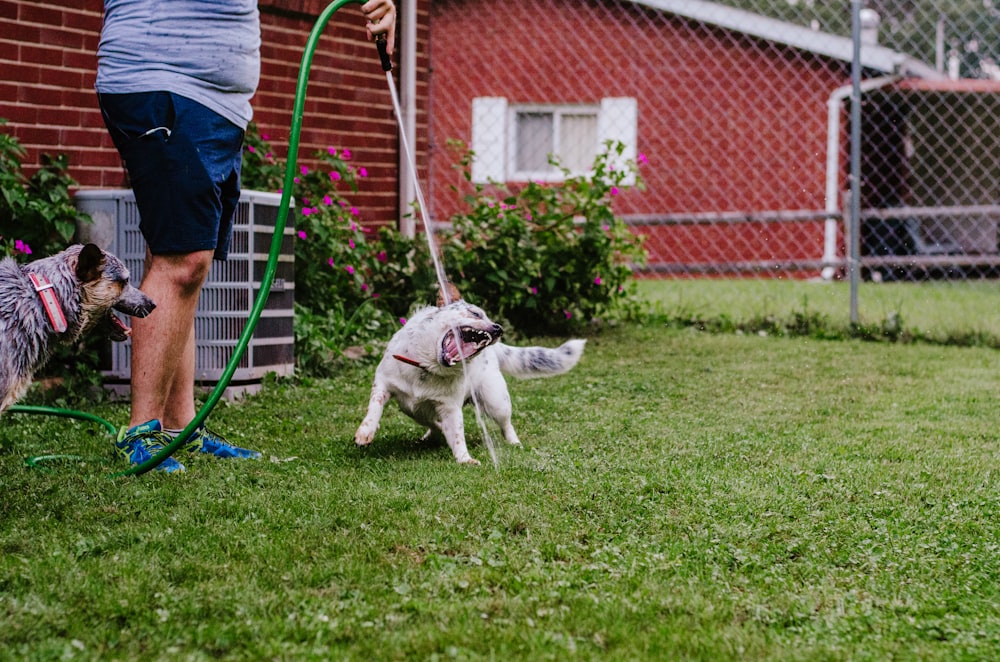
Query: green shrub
[[37, 215], [261, 170], [549, 258]]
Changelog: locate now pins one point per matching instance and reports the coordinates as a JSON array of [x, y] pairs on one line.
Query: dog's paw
[[469, 461], [364, 435]]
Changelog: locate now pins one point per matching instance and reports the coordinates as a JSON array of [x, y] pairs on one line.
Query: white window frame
[[493, 137]]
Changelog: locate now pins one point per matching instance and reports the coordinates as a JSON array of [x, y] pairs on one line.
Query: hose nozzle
[[380, 43]]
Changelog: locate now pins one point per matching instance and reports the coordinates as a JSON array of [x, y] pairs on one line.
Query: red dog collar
[[47, 294], [406, 359]]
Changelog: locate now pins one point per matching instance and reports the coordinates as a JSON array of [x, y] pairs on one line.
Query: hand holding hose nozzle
[[381, 25], [380, 43]]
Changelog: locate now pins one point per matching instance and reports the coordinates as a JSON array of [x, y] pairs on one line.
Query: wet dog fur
[[424, 371], [88, 284]]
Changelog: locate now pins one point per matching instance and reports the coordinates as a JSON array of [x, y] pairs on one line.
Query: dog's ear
[[90, 263], [449, 294]]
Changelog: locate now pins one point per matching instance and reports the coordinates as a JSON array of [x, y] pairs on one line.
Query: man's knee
[[186, 272]]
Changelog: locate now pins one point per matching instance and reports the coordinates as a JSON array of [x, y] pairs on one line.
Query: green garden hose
[[266, 281]]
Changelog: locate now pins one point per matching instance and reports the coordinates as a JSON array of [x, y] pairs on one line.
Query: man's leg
[[179, 409], [163, 350]]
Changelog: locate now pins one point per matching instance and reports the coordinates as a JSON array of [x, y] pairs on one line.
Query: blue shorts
[[183, 161]]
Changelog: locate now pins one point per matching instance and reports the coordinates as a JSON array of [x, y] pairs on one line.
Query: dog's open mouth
[[465, 342], [117, 331]]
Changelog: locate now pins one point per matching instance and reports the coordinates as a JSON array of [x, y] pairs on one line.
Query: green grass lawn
[[680, 495], [941, 310]]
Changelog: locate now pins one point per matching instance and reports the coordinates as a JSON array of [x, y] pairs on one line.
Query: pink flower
[[350, 242], [349, 269], [346, 154], [304, 170], [334, 175], [354, 211], [364, 287], [306, 211], [597, 281], [362, 172], [605, 227], [382, 257], [641, 159], [533, 290], [331, 151], [250, 148], [567, 314], [327, 200], [354, 226], [264, 136], [330, 262], [22, 247], [614, 190], [315, 210], [302, 235], [296, 180], [402, 321]]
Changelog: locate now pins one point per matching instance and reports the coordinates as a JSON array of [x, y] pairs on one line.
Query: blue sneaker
[[209, 442], [139, 443]]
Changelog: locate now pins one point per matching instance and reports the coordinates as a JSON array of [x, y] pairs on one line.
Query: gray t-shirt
[[205, 50]]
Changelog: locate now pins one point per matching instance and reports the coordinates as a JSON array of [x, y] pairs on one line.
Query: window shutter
[[618, 120], [489, 139]]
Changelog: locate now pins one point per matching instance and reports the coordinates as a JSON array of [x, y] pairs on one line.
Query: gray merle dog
[[55, 300], [444, 356]]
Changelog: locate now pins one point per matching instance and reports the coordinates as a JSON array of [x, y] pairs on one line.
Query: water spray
[[380, 42]]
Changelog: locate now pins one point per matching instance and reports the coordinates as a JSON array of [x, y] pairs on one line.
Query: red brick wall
[[47, 56], [46, 91]]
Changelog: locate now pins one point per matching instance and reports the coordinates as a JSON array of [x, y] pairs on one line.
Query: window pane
[[577, 141], [534, 142]]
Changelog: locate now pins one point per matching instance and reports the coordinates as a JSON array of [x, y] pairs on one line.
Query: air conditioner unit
[[228, 295]]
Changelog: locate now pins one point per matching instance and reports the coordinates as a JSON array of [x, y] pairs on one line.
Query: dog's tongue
[[452, 352], [119, 332]]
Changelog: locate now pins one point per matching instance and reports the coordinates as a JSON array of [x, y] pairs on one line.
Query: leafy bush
[[549, 258], [37, 215]]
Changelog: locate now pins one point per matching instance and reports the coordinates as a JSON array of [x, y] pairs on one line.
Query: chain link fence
[[739, 114]]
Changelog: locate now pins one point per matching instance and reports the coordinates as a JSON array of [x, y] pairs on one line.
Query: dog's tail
[[527, 362]]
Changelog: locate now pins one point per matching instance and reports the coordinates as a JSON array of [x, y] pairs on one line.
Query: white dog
[[444, 355]]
